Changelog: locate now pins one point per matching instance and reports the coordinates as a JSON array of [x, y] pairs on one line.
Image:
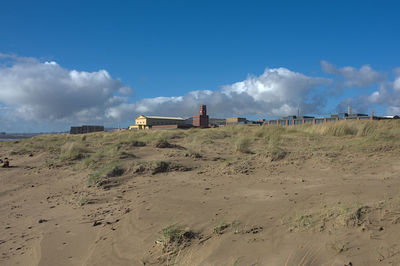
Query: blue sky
[[172, 48]]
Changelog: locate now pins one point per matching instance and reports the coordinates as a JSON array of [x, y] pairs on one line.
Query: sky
[[65, 63]]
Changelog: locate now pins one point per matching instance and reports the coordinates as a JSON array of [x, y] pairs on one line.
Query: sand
[[328, 201]]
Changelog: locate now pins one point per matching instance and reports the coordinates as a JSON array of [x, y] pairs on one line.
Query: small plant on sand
[[160, 167], [73, 151], [171, 233], [220, 228], [130, 144], [83, 201], [175, 238], [236, 227], [274, 149], [339, 215], [163, 143], [242, 144], [110, 170], [192, 154], [339, 246]]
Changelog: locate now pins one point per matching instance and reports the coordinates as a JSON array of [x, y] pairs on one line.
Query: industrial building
[[86, 129], [148, 122], [201, 120], [299, 120], [236, 121]]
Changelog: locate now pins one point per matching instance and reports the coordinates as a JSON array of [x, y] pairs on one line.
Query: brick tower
[[201, 120]]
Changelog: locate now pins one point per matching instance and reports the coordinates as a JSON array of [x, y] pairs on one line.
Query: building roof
[[162, 117]]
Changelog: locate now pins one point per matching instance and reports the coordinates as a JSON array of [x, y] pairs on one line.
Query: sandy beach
[[306, 195]]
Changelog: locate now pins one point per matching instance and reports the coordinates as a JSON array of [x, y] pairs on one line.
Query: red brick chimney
[[201, 120]]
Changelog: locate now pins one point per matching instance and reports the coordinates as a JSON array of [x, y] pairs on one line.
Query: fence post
[[313, 121], [325, 120], [277, 122], [287, 122]]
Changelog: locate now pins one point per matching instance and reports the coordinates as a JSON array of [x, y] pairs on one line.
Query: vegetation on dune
[[221, 227], [73, 151], [271, 134], [337, 129], [156, 167], [242, 144], [173, 239], [384, 128], [112, 157], [109, 170], [98, 152], [344, 215]]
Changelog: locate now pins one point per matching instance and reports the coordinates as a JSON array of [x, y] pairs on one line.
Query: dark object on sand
[[6, 163]]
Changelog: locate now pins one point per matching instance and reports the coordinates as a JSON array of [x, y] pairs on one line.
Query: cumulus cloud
[[363, 77], [396, 84], [48, 93], [45, 91], [276, 92], [387, 94]]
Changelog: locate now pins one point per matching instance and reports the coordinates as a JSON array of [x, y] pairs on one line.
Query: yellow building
[[147, 122]]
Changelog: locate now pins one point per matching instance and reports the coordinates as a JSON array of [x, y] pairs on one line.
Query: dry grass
[[104, 172], [384, 128], [119, 156], [344, 215], [174, 239], [73, 151], [95, 150], [242, 144]]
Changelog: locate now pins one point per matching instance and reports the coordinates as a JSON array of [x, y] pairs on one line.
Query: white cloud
[[34, 90], [45, 93], [393, 110], [388, 94], [48, 93], [363, 77], [396, 84], [274, 93]]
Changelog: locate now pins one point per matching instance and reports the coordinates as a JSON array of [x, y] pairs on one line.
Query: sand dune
[[228, 196]]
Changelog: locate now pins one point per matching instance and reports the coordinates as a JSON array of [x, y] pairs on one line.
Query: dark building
[[342, 116], [86, 129], [293, 117], [201, 120]]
